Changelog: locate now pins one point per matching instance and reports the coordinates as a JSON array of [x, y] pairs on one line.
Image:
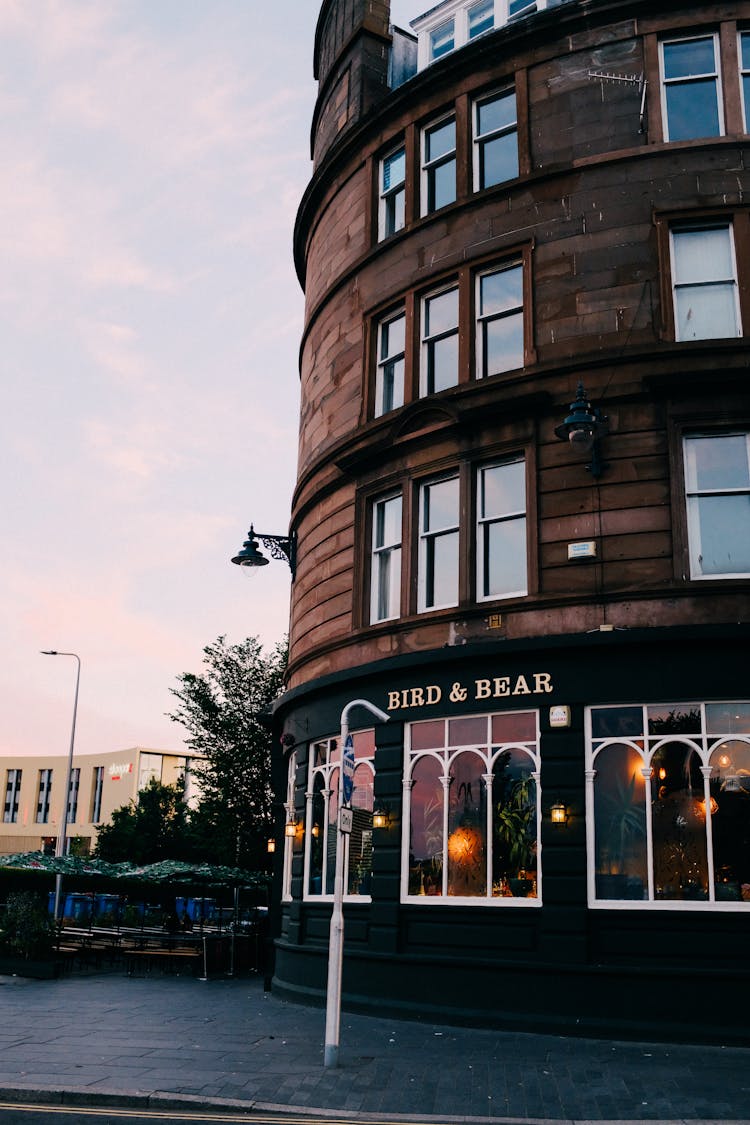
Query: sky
[[154, 153]]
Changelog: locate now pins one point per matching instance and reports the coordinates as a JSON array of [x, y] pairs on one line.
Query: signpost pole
[[336, 935]]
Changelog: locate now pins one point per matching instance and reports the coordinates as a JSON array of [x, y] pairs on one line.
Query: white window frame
[[483, 319], [97, 789], [13, 779], [44, 796], [75, 781], [486, 522], [479, 140], [703, 744], [329, 772], [427, 538], [429, 167], [428, 340], [387, 196], [677, 286], [385, 562], [473, 7], [744, 74], [286, 876], [715, 74], [426, 25], [490, 751], [692, 498], [384, 360]]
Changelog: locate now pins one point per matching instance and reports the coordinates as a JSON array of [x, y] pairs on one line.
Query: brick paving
[[222, 1042]]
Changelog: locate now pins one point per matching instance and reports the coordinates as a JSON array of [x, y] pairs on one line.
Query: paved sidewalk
[[182, 1038]]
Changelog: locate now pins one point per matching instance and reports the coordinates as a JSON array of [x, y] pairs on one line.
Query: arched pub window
[[668, 800], [471, 831]]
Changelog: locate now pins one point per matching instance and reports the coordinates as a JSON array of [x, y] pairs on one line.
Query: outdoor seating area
[[167, 918]]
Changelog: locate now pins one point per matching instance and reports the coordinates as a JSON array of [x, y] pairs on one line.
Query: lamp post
[[62, 833], [582, 428], [336, 936]]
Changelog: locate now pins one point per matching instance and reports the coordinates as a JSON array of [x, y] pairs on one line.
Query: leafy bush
[[27, 929]]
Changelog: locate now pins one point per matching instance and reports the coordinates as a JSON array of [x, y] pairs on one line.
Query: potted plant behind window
[[515, 834]]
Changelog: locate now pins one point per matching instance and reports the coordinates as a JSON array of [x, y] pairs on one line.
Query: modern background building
[[99, 784], [523, 516]]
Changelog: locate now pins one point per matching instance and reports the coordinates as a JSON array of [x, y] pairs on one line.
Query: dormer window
[[455, 23]]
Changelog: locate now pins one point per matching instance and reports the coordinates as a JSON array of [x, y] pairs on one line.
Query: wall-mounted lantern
[[583, 427], [281, 547], [558, 813], [381, 817], [290, 828], [270, 845]]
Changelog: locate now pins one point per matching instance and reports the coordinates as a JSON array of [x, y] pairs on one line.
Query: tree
[[222, 710], [153, 828]]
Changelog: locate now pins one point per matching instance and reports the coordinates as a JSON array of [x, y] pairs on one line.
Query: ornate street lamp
[[281, 547]]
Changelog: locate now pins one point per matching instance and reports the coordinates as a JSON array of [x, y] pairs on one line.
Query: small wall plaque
[[584, 550], [559, 716]]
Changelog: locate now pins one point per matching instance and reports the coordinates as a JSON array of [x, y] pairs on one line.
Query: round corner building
[[523, 518]]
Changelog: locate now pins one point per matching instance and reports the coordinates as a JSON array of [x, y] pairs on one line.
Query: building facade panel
[[522, 521]]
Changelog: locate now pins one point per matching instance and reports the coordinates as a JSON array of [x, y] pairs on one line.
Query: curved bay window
[[322, 814], [471, 809], [668, 791]]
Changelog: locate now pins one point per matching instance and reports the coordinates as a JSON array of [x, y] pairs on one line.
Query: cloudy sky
[[154, 153]]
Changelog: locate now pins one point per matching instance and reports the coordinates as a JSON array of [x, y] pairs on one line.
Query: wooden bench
[[170, 960]]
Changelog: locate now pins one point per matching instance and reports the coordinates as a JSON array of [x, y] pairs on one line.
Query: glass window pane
[[392, 337], [503, 489], [674, 718], [505, 571], [617, 722], [441, 40], [503, 344], [442, 185], [441, 505], [689, 57], [719, 462], [359, 867], [364, 743], [390, 387], [395, 212], [678, 821], [440, 140], [746, 98], [703, 255], [467, 827], [620, 824], [427, 736], [514, 842], [730, 821], [501, 290], [728, 718], [692, 109], [445, 570], [394, 169], [706, 312], [441, 313], [498, 160], [389, 522], [745, 47], [481, 18], [442, 364], [724, 534], [468, 732], [497, 113], [514, 726], [426, 828]]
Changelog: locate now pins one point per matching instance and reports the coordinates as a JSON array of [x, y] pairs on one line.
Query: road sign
[[347, 769], [346, 820]]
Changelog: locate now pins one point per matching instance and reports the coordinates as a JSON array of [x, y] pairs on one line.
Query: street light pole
[[336, 936], [61, 835]]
